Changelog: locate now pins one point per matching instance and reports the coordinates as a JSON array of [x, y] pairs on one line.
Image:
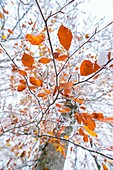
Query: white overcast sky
[[100, 8]]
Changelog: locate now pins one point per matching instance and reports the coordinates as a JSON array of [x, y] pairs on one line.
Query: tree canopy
[[56, 86]]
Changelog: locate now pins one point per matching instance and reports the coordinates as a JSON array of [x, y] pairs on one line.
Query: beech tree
[[56, 87]]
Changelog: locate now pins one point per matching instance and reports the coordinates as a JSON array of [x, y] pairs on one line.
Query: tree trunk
[[50, 159]]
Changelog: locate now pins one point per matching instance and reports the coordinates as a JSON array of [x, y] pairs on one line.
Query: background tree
[[56, 86]]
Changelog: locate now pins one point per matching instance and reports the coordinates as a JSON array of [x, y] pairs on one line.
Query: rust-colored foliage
[[87, 68], [86, 35], [95, 66], [22, 72], [44, 60], [65, 37], [62, 57], [78, 117], [14, 68], [1, 15], [21, 87], [10, 31], [42, 94], [67, 85], [64, 110], [85, 138], [88, 121], [109, 56], [81, 132], [35, 82], [5, 11], [107, 119], [22, 81], [35, 40], [27, 60], [23, 154], [97, 115]]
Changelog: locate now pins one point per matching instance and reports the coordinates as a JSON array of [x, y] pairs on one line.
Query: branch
[[83, 147], [94, 73], [96, 32]]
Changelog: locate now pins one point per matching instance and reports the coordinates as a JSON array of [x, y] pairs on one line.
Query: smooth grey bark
[[50, 159]]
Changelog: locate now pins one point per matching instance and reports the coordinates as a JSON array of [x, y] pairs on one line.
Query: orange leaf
[[5, 11], [65, 37], [65, 110], [58, 105], [78, 117], [88, 121], [109, 55], [35, 82], [32, 87], [27, 60], [95, 67], [22, 72], [104, 166], [35, 40], [86, 68], [22, 81], [44, 60], [47, 91], [56, 55], [62, 58], [81, 132], [21, 87], [1, 15], [55, 90], [83, 108], [23, 154], [10, 31], [81, 101], [86, 35], [97, 115], [67, 85], [39, 82], [107, 119], [92, 133], [66, 137], [42, 94], [85, 138]]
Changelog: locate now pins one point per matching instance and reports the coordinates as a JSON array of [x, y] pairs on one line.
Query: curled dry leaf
[[65, 37], [27, 60]]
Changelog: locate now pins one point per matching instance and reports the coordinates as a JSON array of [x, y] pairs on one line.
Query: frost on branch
[[56, 87]]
